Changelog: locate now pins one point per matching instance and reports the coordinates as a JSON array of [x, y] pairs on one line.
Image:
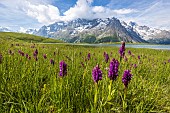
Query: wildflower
[[139, 57], [113, 70], [36, 52], [135, 66], [21, 53], [27, 55], [122, 50], [1, 58], [45, 56], [106, 57], [63, 69], [36, 58], [52, 61], [129, 52], [88, 56], [96, 74], [29, 58], [169, 60], [126, 77], [32, 46]]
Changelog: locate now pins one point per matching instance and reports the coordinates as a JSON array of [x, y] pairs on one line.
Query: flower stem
[[124, 99], [95, 96], [110, 88]]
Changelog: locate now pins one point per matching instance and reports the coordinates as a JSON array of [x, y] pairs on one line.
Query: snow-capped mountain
[[30, 31], [152, 35], [4, 29], [99, 30], [110, 29], [27, 31]]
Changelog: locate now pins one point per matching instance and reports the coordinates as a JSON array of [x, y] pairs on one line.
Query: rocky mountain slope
[[149, 34], [106, 30]]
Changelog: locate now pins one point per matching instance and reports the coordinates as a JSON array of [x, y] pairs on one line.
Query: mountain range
[[4, 29], [100, 30], [149, 34], [90, 31]]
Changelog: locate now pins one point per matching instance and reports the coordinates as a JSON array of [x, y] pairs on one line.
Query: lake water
[[163, 47]]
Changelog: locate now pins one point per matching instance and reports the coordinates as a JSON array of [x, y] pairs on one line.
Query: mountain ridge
[[4, 29], [151, 35], [100, 30], [109, 27]]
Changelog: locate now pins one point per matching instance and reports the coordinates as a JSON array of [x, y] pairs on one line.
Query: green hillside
[[21, 37]]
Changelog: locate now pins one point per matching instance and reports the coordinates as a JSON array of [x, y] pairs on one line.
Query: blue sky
[[24, 14]]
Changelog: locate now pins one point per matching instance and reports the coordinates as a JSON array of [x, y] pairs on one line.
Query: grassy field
[[30, 83], [20, 37]]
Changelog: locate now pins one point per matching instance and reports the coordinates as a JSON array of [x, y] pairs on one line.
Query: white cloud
[[90, 1], [22, 30], [125, 11], [157, 15], [83, 9], [35, 13], [46, 14], [98, 9], [28, 12]]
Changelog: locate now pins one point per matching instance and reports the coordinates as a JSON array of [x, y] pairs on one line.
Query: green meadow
[[21, 37], [33, 85]]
